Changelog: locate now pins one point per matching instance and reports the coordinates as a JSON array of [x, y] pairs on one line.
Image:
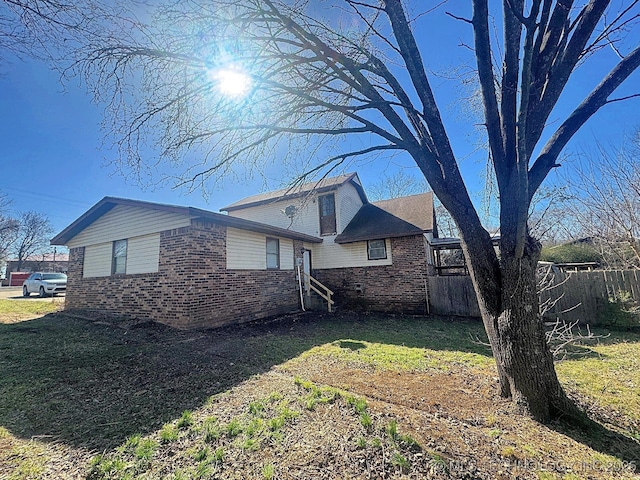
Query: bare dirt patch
[[461, 391], [460, 415]]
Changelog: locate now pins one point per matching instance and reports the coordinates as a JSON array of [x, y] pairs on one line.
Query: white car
[[44, 284]]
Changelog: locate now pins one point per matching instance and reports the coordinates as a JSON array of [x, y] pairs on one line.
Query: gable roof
[[398, 217], [108, 203], [321, 186]]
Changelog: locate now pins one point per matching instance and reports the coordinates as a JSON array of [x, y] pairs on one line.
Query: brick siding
[[192, 288], [394, 288]]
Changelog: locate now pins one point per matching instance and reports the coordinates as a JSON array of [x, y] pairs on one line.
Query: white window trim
[[369, 248], [113, 257], [277, 242]]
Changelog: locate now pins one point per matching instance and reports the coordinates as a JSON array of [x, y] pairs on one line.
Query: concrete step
[[316, 302]]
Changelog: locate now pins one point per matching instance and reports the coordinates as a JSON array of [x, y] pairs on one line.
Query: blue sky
[[53, 161]]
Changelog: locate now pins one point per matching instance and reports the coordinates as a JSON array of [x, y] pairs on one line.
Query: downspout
[[300, 288]]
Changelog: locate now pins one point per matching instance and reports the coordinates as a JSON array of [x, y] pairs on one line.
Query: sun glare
[[231, 82]]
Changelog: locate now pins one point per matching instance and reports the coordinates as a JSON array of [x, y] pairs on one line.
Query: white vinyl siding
[[307, 217], [248, 251], [349, 203], [124, 221], [143, 254], [97, 260], [334, 255], [245, 250], [286, 254], [305, 220]]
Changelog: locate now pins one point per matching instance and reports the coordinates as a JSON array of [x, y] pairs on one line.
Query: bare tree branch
[[487, 84], [597, 99]]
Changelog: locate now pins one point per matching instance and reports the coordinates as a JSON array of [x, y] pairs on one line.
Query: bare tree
[[34, 27], [446, 225], [549, 220], [320, 74], [8, 227], [398, 184], [34, 231], [604, 201]]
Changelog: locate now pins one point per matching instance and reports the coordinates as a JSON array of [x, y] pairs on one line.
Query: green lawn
[[609, 375], [259, 400], [81, 371]]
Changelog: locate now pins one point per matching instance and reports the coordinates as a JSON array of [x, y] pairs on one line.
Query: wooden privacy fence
[[452, 295], [582, 296], [585, 296]]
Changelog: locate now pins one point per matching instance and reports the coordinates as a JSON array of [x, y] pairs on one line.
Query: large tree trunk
[[516, 333], [527, 361]]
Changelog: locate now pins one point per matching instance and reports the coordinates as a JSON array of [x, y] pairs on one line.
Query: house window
[[327, 204], [377, 249], [273, 253], [119, 259]]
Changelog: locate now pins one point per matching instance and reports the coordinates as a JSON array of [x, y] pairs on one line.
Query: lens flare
[[231, 82]]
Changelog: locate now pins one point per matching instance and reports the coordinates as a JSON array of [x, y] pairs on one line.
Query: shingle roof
[[415, 209], [398, 217], [299, 191], [107, 203]]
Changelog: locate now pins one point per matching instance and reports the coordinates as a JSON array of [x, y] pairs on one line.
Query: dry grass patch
[[458, 414], [12, 311]]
